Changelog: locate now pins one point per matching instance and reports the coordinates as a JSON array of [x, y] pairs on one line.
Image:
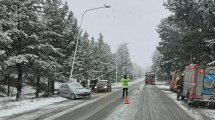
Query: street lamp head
[[107, 6]]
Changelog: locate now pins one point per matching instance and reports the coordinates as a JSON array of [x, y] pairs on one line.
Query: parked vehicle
[[199, 84], [73, 90], [103, 85], [150, 78], [174, 75]]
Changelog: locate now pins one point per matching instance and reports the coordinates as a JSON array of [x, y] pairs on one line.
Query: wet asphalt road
[[148, 103], [153, 104]]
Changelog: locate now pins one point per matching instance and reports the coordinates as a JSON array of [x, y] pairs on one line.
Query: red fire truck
[[198, 84], [150, 78]]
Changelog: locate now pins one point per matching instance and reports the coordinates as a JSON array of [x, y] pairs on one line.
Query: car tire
[[72, 96]]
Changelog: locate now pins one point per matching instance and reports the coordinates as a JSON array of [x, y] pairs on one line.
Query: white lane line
[[123, 108]]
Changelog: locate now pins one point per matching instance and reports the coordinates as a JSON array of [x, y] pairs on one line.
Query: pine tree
[[124, 64], [21, 26], [54, 18]]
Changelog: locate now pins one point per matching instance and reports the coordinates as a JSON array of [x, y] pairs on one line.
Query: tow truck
[[150, 78], [199, 86]]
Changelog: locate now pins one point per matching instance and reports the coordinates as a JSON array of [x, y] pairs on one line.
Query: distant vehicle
[[150, 78], [73, 90], [103, 85]]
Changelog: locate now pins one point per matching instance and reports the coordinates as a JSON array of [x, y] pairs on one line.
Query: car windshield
[[76, 86], [79, 86], [102, 82]]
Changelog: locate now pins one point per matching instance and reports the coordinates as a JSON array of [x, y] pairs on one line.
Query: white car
[[73, 90]]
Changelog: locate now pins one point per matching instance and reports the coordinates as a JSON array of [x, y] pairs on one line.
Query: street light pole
[[79, 34], [116, 60]]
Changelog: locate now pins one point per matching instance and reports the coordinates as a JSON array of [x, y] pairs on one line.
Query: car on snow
[[103, 85], [73, 90]]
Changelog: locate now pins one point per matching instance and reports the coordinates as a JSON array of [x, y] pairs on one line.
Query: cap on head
[[125, 76]]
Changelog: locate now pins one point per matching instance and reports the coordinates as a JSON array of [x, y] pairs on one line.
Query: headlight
[[105, 87], [95, 87]]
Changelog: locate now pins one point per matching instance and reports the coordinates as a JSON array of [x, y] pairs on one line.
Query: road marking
[[123, 108]]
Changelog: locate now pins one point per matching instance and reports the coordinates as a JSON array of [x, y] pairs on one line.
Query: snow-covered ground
[[17, 107], [209, 113], [57, 85], [162, 85], [27, 92], [191, 111]]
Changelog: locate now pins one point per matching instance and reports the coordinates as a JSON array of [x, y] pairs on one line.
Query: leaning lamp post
[[79, 33]]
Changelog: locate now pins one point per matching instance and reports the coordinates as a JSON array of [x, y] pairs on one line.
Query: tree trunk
[[38, 86], [48, 90], [52, 87], [8, 89], [19, 65], [19, 81]]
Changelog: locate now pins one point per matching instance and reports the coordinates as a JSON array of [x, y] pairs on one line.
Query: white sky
[[127, 21]]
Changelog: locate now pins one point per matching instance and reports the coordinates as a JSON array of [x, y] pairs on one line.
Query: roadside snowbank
[[164, 87], [190, 111], [17, 107], [209, 113]]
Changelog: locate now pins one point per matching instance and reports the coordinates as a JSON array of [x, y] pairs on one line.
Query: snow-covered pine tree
[[82, 59], [124, 64], [54, 18], [21, 24], [71, 34]]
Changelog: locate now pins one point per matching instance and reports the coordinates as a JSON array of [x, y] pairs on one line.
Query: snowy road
[[149, 103]]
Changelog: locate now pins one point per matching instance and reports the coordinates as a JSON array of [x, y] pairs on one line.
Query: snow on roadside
[[190, 111], [57, 85], [17, 107], [209, 113], [166, 87]]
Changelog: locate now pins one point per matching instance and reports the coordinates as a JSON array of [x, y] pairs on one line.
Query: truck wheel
[[190, 102]]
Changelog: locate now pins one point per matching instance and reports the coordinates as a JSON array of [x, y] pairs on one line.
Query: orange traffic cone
[[138, 88], [126, 100]]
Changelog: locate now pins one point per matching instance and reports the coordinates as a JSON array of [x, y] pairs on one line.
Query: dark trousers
[[125, 90], [178, 94]]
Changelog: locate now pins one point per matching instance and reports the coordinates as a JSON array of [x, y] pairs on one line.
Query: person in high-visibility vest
[[179, 84], [124, 82]]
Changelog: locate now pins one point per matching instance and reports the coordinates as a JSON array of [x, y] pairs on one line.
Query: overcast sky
[[127, 21]]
